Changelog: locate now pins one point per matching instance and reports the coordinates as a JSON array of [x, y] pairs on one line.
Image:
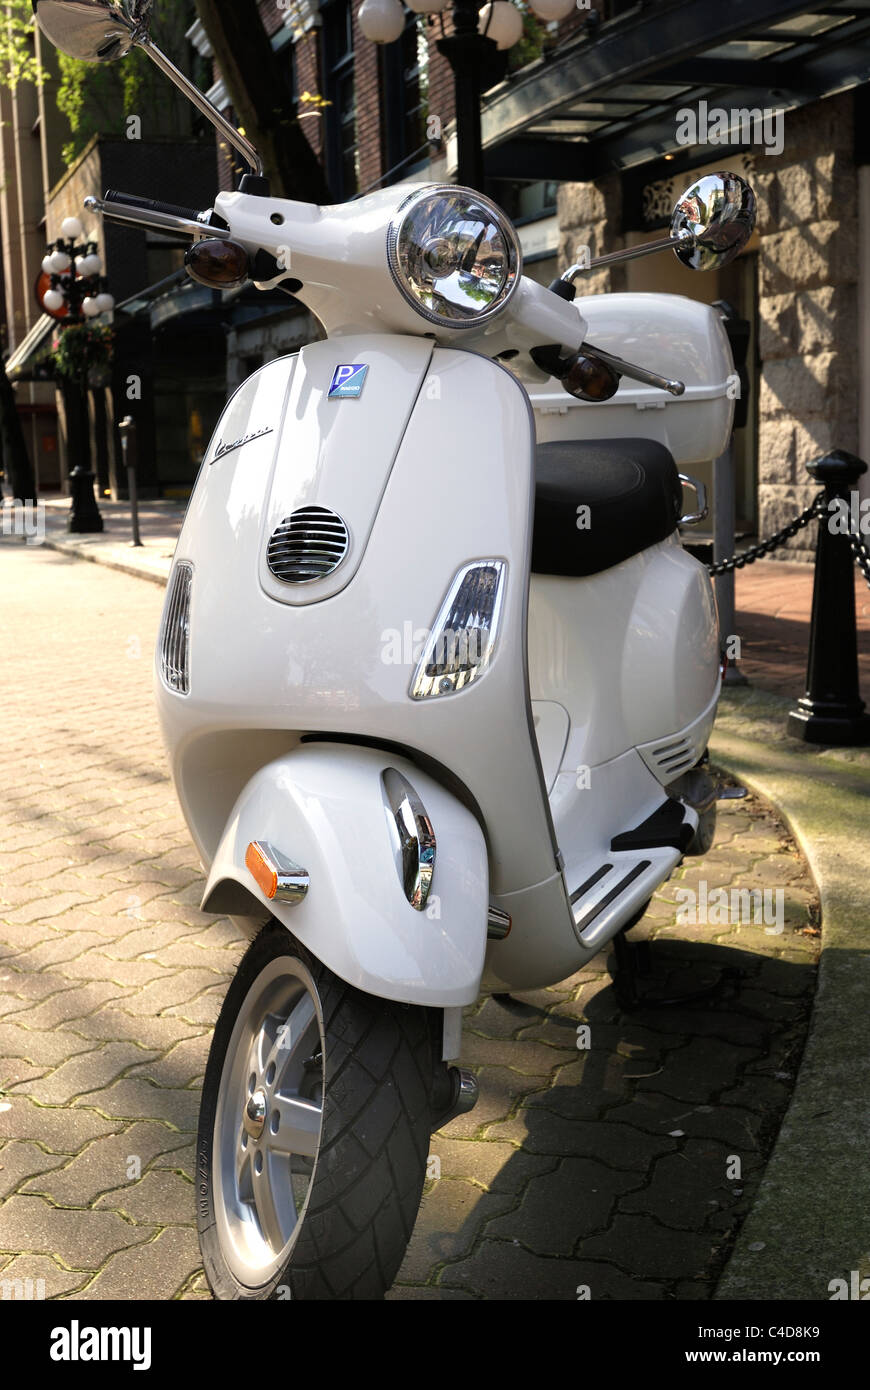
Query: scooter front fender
[[325, 807]]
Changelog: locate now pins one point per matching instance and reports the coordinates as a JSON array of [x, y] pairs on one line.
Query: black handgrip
[[151, 205]]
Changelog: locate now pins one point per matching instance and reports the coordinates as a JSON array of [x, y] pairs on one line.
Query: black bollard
[[832, 710], [84, 514]]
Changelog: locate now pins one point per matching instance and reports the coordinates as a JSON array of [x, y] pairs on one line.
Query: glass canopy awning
[[608, 100]]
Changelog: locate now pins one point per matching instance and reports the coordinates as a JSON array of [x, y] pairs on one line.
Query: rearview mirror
[[95, 31], [99, 31], [719, 211]]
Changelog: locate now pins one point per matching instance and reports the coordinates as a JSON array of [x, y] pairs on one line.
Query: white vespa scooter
[[435, 691]]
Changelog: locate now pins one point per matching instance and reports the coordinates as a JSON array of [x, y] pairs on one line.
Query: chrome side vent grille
[[309, 544], [175, 638]]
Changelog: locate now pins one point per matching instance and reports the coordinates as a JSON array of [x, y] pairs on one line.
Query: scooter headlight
[[454, 255]]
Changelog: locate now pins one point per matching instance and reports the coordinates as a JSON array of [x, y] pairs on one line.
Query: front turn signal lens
[[221, 265], [590, 379], [175, 630], [461, 644], [275, 875]]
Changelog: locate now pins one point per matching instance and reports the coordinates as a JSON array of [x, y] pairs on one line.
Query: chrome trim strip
[[413, 837]]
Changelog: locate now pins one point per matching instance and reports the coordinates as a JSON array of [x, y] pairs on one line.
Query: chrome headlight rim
[[512, 241]]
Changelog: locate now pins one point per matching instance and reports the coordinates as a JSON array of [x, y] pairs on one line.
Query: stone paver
[[593, 1167]]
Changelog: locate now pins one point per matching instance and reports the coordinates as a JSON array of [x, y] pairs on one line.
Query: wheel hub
[[268, 1120], [254, 1118]]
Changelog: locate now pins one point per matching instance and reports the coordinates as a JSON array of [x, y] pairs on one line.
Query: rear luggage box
[[665, 333]]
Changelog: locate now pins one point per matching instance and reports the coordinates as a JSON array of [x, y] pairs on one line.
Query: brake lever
[[675, 388]]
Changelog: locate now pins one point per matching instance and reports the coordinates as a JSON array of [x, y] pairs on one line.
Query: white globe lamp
[[502, 22], [552, 9], [381, 21]]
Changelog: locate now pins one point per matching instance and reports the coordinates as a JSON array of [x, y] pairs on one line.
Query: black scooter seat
[[632, 491]]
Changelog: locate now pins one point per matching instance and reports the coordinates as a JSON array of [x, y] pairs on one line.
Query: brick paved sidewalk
[[607, 1166], [774, 603]]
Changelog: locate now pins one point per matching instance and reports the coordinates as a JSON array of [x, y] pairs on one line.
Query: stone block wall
[[590, 214], [807, 297], [808, 305]]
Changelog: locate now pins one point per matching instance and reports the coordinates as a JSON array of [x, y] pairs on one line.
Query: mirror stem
[[202, 103], [631, 253]]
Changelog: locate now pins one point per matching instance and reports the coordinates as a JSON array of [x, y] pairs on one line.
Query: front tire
[[313, 1131]]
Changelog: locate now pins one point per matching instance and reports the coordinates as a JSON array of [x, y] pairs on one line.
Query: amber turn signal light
[[590, 379], [221, 265], [275, 875], [264, 873]]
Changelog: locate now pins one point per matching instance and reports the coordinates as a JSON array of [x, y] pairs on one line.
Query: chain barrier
[[755, 552], [818, 507], [861, 554]]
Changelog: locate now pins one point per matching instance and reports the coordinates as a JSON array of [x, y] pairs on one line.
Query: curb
[[111, 559], [810, 1222]]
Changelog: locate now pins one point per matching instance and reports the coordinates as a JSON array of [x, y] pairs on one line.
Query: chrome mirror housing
[[94, 31], [714, 219]]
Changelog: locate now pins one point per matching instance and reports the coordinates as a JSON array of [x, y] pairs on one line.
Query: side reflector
[[275, 875]]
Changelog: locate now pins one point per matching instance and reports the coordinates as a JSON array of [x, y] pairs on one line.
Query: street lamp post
[[469, 53], [73, 290], [476, 51]]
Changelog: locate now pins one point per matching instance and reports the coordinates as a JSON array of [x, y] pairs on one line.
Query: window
[[405, 93], [342, 155], [524, 202]]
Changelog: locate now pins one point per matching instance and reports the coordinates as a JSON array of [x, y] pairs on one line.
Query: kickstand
[[634, 960]]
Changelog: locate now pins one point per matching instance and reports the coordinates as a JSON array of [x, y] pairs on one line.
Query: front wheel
[[313, 1131]]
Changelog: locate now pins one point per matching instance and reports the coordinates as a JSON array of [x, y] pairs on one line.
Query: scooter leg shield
[[336, 813]]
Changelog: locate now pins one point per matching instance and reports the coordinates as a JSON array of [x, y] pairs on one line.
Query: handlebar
[[162, 217], [150, 204]]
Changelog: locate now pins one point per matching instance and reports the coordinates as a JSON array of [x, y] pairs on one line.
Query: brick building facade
[[378, 114]]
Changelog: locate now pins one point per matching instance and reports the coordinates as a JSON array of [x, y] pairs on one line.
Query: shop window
[[404, 72], [342, 153]]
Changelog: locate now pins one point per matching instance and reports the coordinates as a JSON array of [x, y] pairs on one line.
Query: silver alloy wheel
[[269, 1120]]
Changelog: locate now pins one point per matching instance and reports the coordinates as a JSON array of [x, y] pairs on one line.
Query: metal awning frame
[[655, 49]]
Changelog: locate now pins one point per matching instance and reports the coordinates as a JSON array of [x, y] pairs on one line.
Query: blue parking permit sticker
[[347, 382]]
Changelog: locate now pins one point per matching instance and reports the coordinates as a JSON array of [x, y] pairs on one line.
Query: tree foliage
[[95, 98], [17, 57]]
